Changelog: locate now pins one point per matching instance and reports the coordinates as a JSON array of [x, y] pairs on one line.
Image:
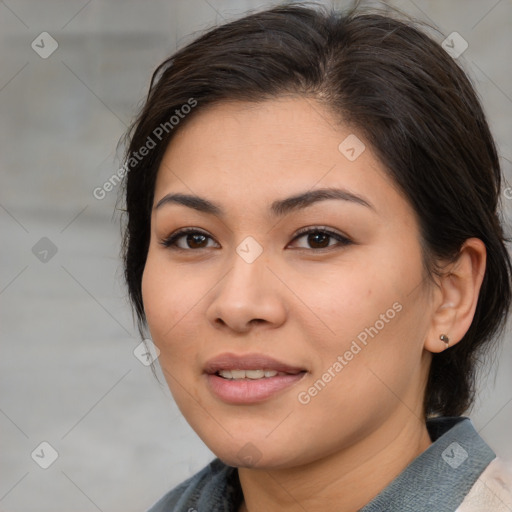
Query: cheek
[[366, 316], [167, 301], [153, 295], [166, 298], [346, 302]]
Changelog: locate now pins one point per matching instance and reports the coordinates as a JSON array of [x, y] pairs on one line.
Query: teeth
[[252, 374], [248, 374]]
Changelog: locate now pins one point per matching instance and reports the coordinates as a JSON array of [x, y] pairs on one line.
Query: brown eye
[[319, 238], [193, 239]]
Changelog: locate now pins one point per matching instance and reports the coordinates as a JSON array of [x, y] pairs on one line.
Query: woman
[[313, 240]]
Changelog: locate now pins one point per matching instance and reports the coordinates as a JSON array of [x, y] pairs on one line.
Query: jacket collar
[[441, 476]]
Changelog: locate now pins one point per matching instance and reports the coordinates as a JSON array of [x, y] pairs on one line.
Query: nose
[[250, 294]]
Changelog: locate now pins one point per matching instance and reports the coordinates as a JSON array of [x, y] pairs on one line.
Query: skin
[[299, 303]]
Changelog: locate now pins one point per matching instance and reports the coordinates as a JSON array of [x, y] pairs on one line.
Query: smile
[[249, 378], [249, 374]]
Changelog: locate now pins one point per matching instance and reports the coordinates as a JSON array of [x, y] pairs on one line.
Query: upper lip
[[229, 361]]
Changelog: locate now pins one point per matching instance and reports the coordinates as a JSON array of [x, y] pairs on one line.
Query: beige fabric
[[492, 492]]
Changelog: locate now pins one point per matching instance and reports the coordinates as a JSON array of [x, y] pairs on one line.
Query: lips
[[230, 385], [230, 361]]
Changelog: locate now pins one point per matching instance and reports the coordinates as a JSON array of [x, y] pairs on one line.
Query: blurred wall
[[68, 373]]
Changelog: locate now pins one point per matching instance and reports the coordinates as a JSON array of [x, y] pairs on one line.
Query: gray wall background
[[68, 373]]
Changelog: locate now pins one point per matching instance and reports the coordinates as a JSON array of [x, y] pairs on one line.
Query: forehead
[[247, 152]]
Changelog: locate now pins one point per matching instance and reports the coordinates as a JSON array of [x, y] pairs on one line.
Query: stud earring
[[445, 339]]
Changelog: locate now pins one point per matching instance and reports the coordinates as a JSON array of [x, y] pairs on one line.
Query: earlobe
[[456, 297]]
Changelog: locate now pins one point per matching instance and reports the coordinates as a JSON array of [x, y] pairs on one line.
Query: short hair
[[397, 87]]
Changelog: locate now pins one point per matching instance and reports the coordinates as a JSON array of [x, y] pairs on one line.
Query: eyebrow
[[278, 208]]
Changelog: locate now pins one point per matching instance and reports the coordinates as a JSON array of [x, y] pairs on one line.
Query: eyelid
[[323, 229]]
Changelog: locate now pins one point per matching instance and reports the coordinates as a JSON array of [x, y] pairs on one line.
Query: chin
[[256, 455]]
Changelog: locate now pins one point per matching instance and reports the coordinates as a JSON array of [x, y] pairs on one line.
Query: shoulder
[[492, 490], [216, 484]]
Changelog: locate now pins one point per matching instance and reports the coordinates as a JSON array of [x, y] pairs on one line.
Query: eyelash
[[170, 241]]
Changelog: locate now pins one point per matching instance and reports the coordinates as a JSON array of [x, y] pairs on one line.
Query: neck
[[349, 478]]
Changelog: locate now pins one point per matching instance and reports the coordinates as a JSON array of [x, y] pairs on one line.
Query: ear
[[456, 296]]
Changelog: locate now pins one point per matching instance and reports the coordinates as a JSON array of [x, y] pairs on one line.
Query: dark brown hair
[[397, 87]]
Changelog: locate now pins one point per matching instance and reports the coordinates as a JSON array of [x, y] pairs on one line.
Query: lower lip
[[249, 391]]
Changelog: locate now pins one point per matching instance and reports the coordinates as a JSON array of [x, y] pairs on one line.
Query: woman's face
[[345, 309]]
